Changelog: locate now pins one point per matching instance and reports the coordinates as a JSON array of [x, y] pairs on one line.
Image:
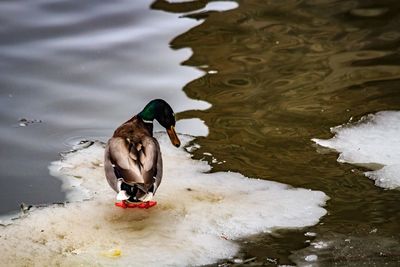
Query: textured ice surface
[[197, 219], [372, 142]]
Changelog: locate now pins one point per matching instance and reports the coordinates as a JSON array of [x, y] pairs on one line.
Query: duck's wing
[[136, 163], [159, 169], [109, 169]]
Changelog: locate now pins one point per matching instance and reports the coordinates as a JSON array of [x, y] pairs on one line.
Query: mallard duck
[[133, 163]]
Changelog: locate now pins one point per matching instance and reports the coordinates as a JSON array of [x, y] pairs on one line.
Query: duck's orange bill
[[172, 135]]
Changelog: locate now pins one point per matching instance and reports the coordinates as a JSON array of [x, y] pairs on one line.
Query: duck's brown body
[[133, 157]]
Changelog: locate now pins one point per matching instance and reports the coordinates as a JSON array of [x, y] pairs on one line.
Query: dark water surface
[[278, 73], [77, 70]]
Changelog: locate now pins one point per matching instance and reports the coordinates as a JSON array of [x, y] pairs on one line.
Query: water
[[277, 74], [81, 69]]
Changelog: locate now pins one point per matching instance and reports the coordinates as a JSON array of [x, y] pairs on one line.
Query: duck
[[132, 158]]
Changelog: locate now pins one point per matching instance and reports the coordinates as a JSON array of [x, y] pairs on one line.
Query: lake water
[[266, 77]]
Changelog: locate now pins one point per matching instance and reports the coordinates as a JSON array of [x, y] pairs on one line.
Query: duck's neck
[[148, 113], [147, 123], [149, 127]]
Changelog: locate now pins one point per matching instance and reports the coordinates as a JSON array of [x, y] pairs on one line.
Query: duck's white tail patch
[[147, 197], [122, 195]]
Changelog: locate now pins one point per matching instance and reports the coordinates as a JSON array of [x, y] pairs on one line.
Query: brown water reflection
[[281, 73]]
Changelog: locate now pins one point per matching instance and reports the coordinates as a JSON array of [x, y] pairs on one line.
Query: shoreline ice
[[198, 217], [372, 142]]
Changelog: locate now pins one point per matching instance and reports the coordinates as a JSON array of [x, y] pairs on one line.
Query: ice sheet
[[373, 142], [198, 217]]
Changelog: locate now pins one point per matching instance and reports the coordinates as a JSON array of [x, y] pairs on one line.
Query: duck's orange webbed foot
[[141, 205]]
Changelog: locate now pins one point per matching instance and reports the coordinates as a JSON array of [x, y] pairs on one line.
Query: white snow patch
[[372, 142], [197, 219], [310, 234], [320, 244], [220, 6], [311, 257], [387, 177], [193, 127]]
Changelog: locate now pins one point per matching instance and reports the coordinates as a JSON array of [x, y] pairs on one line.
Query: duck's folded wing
[[159, 170], [109, 169], [134, 162], [148, 159]]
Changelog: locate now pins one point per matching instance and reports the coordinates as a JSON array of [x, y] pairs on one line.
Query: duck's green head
[[161, 111]]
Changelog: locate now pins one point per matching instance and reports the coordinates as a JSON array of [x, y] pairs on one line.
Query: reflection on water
[[286, 72], [277, 74]]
